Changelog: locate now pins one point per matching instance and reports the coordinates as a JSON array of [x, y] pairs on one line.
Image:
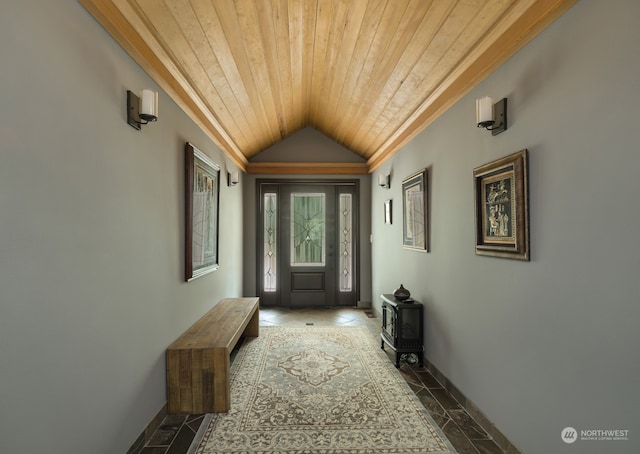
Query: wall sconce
[[488, 114], [384, 181], [142, 110], [232, 178]]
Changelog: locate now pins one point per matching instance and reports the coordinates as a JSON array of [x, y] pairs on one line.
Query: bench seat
[[198, 362]]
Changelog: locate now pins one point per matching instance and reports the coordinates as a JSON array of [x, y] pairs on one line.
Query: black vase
[[401, 293]]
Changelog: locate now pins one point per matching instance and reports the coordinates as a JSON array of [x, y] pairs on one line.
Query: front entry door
[[308, 245]]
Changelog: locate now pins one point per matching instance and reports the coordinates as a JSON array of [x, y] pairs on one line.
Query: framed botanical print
[[414, 212], [201, 213], [502, 207]]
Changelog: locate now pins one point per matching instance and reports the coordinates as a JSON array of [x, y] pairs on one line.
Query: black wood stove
[[402, 327]]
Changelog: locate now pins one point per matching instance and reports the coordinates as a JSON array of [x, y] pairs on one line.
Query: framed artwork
[[387, 211], [201, 214], [502, 207], [414, 211]]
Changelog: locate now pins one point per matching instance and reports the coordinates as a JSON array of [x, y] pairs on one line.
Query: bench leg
[[221, 392], [253, 327]]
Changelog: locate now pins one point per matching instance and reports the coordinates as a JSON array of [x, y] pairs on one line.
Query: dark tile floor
[[176, 433]]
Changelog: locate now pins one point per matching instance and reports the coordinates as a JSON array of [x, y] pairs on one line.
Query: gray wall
[[91, 237], [307, 145], [550, 343]]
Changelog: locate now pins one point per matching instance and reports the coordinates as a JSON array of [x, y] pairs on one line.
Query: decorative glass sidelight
[[307, 229], [270, 241], [345, 216]]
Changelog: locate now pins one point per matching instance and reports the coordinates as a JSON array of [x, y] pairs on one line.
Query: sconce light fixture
[[142, 110], [490, 116], [232, 178], [384, 180]]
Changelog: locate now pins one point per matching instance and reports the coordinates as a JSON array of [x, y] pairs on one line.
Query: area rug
[[319, 390]]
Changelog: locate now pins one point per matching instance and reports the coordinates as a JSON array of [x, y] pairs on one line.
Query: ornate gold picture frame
[[502, 207]]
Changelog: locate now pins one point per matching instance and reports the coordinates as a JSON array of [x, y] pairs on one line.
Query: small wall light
[[142, 110], [488, 114], [232, 178], [384, 180]]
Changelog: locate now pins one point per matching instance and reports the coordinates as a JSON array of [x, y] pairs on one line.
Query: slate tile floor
[[176, 433]]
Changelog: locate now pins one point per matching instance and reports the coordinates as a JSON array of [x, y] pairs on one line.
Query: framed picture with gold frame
[[414, 212], [502, 207]]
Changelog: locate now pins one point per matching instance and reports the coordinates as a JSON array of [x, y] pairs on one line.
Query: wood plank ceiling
[[369, 74]]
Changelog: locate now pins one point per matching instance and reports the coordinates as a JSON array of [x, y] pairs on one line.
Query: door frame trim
[[355, 183]]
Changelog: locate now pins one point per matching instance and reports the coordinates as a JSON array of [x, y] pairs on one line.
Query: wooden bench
[[198, 361]]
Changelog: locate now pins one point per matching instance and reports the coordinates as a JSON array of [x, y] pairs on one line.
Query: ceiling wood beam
[[307, 168]]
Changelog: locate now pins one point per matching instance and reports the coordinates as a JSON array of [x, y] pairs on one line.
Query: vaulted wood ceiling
[[369, 74]]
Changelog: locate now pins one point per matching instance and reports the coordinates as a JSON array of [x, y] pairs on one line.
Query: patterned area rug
[[319, 390]]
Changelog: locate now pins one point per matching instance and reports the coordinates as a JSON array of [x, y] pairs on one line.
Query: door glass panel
[[307, 229], [346, 242], [270, 236]]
